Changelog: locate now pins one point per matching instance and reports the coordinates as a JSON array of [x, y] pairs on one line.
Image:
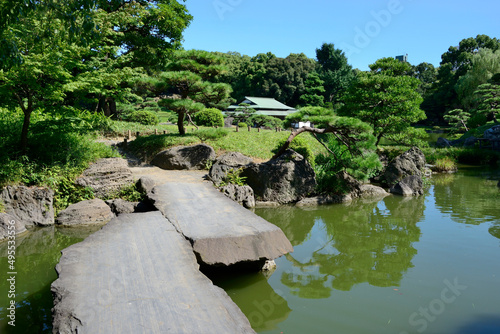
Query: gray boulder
[[287, 179], [371, 191], [106, 176], [33, 206], [89, 212], [409, 186], [411, 162], [119, 206], [492, 133], [10, 225], [241, 194], [184, 157], [226, 162], [145, 184]]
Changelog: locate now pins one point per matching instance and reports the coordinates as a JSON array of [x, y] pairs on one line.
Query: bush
[[445, 165], [209, 117], [242, 125], [144, 117], [299, 145]]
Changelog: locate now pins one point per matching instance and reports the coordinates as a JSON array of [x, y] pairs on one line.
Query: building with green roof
[[264, 106]]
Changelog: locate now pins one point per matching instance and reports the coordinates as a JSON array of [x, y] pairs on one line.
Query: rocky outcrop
[[106, 176], [119, 206], [409, 186], [371, 191], [184, 157], [32, 206], [227, 162], [145, 184], [287, 179], [492, 133], [89, 212], [222, 232], [10, 226], [411, 162], [241, 194]]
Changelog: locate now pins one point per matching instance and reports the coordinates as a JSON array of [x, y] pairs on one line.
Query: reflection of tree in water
[[296, 223], [37, 253], [471, 198], [362, 242]]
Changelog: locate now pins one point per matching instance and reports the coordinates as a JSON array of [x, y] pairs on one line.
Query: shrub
[[299, 145], [209, 117], [242, 125], [445, 165], [144, 117]]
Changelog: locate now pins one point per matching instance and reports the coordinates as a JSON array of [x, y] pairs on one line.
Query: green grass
[[258, 145]]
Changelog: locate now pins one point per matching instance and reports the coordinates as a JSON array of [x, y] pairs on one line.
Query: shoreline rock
[[89, 212]]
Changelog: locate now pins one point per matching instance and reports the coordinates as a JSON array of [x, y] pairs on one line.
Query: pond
[[401, 265]]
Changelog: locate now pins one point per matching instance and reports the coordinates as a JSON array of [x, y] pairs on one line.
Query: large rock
[[287, 179], [411, 162], [184, 157], [492, 133], [139, 275], [227, 162], [10, 226], [409, 186], [241, 194], [120, 206], [371, 191], [222, 232], [89, 212], [33, 206], [106, 176], [145, 184]]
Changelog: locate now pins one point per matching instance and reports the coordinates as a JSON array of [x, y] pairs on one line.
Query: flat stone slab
[[221, 231], [139, 275]]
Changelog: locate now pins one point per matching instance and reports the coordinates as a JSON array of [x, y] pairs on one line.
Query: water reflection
[[263, 306], [350, 244], [469, 198], [37, 253]]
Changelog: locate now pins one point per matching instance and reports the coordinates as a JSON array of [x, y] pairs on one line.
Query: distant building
[[264, 106], [403, 58]]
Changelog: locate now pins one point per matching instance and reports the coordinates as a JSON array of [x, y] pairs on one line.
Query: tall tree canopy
[[190, 75], [387, 99], [456, 62], [334, 70], [44, 64]]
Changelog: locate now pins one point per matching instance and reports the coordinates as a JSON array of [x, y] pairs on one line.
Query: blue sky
[[365, 30]]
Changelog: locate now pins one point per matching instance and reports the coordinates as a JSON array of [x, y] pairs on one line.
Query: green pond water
[[400, 265]]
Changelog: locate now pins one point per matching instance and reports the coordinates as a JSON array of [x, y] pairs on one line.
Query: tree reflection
[[471, 198], [353, 244]]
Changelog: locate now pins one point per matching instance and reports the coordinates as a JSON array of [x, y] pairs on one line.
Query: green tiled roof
[[265, 106]]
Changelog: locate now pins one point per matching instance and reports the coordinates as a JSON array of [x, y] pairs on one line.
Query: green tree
[[391, 67], [334, 70], [457, 118], [455, 63], [242, 113], [313, 92], [38, 80], [484, 65], [189, 75], [264, 120], [489, 98], [390, 104]]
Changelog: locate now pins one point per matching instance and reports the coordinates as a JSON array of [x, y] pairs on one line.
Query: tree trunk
[[180, 123], [25, 130]]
